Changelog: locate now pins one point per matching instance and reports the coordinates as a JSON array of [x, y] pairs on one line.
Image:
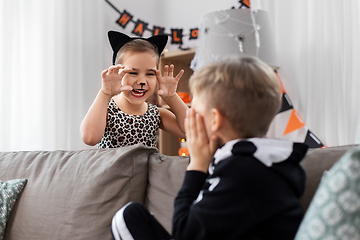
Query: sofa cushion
[[9, 193], [166, 175], [334, 212], [73, 194], [315, 163]]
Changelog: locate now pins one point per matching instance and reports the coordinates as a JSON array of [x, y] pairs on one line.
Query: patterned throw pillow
[[334, 212], [9, 192]]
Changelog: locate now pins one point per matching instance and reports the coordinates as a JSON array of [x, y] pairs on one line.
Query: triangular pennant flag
[[312, 141], [285, 103], [288, 124], [245, 3], [279, 124], [295, 122]]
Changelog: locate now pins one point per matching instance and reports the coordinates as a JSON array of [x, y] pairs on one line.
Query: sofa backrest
[[166, 174], [73, 194]]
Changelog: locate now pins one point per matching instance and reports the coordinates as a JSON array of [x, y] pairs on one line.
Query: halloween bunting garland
[[176, 34]]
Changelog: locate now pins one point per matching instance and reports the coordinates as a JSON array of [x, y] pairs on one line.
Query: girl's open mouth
[[138, 92]]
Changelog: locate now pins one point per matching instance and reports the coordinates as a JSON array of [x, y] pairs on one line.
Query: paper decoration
[[176, 35], [295, 122], [288, 124], [124, 19], [244, 3], [140, 27], [184, 96], [194, 33], [158, 31]]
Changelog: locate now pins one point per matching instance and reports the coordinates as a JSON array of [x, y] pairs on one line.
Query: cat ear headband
[[117, 40]]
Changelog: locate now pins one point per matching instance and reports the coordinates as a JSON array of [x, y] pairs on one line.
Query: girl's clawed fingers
[[103, 73], [166, 70], [158, 74], [171, 70], [126, 88], [125, 70], [113, 69], [177, 78]]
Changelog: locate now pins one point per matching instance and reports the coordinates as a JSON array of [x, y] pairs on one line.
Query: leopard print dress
[[123, 129]]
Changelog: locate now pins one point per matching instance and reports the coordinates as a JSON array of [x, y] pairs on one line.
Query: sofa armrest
[[315, 163]]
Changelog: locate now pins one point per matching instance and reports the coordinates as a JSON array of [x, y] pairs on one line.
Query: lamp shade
[[235, 31]]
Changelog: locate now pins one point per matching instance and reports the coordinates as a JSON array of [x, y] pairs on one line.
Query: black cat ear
[[159, 41], [117, 40]]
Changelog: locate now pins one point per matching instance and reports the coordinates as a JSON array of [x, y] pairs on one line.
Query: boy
[[250, 188]]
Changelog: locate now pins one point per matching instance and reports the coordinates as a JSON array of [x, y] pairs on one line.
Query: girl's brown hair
[[136, 46]]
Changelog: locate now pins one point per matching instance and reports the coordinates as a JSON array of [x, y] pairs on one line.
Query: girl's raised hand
[[112, 80], [168, 83]]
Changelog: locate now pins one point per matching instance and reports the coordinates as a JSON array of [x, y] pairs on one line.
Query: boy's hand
[[201, 149], [112, 80], [167, 83]]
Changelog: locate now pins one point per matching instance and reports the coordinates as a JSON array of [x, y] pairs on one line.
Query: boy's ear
[[217, 120]]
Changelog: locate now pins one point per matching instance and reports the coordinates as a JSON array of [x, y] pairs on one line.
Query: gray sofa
[[74, 194]]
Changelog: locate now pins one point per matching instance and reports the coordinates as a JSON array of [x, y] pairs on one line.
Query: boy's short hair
[[245, 90], [136, 46]]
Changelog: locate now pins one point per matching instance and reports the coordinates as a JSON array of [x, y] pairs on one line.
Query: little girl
[[120, 115]]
